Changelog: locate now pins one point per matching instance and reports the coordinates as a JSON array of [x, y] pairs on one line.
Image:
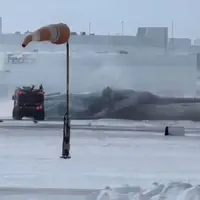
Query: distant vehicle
[[20, 58], [35, 50], [123, 52], [28, 102]]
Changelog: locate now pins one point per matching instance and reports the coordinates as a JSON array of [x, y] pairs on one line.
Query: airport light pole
[[122, 24], [172, 39], [89, 28]]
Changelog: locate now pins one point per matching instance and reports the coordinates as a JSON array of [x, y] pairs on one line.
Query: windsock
[[54, 33]]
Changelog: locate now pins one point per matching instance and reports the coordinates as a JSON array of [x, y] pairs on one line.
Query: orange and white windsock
[[54, 33]]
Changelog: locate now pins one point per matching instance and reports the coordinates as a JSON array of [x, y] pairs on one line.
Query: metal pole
[[172, 35], [66, 127], [122, 27], [89, 28], [165, 39]]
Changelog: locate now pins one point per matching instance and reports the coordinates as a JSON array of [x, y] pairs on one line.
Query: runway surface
[[120, 154], [105, 152]]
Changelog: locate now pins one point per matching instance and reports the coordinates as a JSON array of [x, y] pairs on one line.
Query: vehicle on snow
[[28, 102]]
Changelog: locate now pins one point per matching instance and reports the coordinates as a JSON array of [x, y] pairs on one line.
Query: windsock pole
[[66, 128], [56, 34]]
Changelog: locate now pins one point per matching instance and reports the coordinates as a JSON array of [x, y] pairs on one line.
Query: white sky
[[105, 15]]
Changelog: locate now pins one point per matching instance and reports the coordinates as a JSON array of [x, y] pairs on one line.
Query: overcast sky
[[105, 15]]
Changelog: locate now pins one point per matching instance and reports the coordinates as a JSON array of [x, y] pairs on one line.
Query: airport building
[[145, 37]]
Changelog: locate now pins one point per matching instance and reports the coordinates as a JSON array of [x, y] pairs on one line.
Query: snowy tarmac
[[30, 156]]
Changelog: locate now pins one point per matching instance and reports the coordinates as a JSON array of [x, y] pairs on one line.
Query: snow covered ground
[[30, 158]]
